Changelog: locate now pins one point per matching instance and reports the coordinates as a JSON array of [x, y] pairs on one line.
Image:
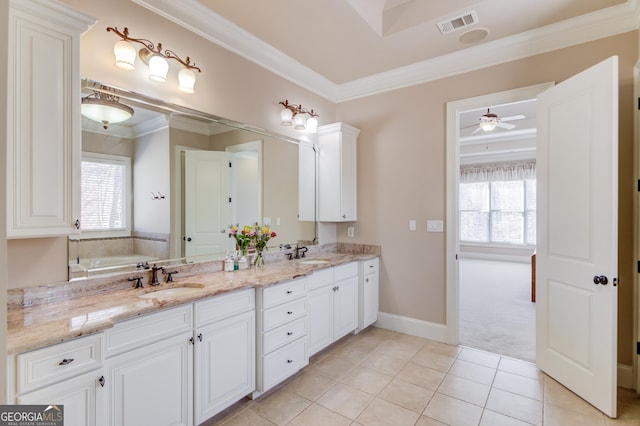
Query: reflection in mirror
[[167, 184]]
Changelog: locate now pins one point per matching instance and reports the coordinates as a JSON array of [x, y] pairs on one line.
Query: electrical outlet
[[351, 231]]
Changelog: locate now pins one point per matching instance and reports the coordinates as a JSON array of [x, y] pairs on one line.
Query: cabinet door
[[346, 307], [152, 385], [370, 299], [320, 315], [43, 120], [224, 364], [80, 396]]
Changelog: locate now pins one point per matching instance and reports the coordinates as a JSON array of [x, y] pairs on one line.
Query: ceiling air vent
[[458, 22]]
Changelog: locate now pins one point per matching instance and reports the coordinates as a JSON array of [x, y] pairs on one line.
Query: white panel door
[[207, 214], [577, 232]]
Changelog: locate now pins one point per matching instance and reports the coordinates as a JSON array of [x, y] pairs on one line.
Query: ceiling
[[345, 49]]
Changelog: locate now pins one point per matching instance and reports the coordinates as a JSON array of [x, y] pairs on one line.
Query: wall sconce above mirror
[[154, 57], [293, 114]]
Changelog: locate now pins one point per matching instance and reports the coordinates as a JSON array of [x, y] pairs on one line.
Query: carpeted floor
[[495, 310]]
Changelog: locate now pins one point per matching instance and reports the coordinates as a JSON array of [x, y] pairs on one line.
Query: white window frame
[[119, 160]]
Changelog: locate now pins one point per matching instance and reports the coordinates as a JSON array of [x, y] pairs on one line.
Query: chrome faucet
[[154, 274]]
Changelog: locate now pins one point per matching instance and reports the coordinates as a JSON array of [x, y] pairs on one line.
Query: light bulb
[[187, 80], [286, 115], [125, 55], [158, 68]]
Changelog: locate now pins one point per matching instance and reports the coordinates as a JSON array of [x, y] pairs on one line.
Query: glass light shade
[[298, 120], [286, 115], [158, 68], [125, 55], [488, 126], [105, 112], [312, 124], [187, 80]]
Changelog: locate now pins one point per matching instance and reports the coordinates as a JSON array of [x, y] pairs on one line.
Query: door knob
[[600, 280]]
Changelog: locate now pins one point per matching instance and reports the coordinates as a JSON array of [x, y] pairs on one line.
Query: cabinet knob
[[66, 361], [366, 280], [77, 224], [289, 291], [191, 340], [289, 333], [101, 381], [200, 337], [289, 312], [289, 361], [344, 216]]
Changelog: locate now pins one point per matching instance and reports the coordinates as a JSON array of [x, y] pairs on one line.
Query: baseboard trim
[[625, 376], [412, 326]]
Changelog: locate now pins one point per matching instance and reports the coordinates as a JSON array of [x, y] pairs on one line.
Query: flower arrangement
[[243, 237], [262, 235]]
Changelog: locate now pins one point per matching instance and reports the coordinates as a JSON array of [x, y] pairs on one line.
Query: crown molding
[[201, 20]]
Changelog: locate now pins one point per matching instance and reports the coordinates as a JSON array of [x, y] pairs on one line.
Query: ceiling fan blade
[[505, 125], [476, 130], [513, 117]]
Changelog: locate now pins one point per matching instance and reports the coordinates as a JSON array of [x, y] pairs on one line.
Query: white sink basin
[[313, 262], [167, 293]]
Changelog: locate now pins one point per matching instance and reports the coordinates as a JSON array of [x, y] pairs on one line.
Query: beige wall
[[401, 174]]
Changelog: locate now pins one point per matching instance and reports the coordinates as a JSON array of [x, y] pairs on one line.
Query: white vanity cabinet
[[225, 355], [149, 369], [68, 374], [333, 305], [281, 324], [337, 183], [368, 293], [43, 119]]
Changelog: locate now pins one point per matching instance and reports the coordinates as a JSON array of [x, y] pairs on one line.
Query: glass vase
[[258, 261]]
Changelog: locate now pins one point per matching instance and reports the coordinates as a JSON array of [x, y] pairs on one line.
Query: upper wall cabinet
[[43, 118], [337, 184]]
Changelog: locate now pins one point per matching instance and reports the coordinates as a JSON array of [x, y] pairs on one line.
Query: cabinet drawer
[[55, 363], [141, 331], [280, 293], [284, 362], [370, 266], [284, 334], [320, 278], [223, 306], [347, 270], [283, 314]]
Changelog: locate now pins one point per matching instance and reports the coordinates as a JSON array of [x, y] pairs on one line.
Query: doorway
[[496, 224], [454, 114]]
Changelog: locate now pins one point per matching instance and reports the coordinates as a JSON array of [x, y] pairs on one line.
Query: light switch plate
[[412, 225], [351, 231], [435, 226]]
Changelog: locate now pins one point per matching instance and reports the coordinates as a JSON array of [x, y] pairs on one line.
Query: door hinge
[[229, 199], [638, 185], [229, 164], [637, 348], [638, 266]]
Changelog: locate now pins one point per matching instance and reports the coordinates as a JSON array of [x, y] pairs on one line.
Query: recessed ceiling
[[345, 49]]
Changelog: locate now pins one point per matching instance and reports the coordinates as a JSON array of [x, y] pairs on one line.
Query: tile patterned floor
[[380, 377]]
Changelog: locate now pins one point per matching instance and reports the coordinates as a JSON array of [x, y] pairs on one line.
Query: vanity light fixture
[[293, 114], [105, 107], [153, 56]]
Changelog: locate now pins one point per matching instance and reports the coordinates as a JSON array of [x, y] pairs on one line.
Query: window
[[498, 204], [105, 195]]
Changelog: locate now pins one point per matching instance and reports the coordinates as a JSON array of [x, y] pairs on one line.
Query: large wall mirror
[[167, 184]]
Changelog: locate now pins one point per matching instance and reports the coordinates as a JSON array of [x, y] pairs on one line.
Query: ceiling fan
[[490, 121]]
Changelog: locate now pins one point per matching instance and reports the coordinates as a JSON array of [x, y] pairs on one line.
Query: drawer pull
[[289, 291], [289, 361], [101, 381], [66, 361], [289, 333], [289, 312]]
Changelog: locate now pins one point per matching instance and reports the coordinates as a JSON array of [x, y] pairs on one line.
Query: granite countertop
[[46, 324]]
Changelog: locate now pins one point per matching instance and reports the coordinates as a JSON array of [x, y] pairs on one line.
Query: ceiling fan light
[[125, 55], [187, 81], [488, 126], [158, 68]]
